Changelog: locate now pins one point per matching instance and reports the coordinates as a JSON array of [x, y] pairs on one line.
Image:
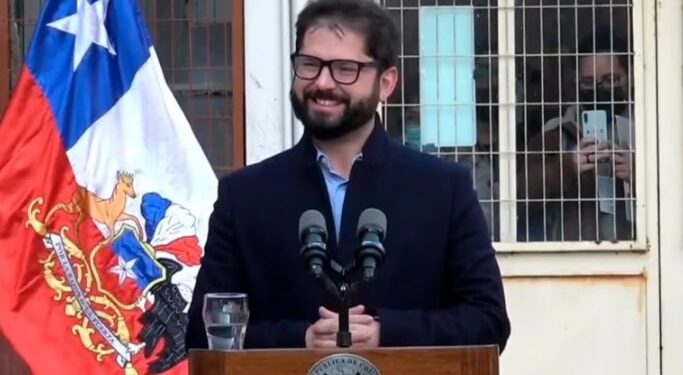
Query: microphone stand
[[344, 291], [372, 225], [344, 335]]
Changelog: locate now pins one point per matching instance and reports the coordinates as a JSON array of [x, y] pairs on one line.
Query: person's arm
[[544, 171], [222, 270], [474, 312]]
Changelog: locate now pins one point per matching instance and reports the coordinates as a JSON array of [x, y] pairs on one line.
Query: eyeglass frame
[[328, 63], [606, 81]]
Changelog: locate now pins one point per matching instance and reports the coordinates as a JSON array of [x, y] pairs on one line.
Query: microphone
[[372, 227], [313, 234]]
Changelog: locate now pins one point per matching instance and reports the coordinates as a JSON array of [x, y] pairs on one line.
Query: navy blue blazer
[[440, 283]]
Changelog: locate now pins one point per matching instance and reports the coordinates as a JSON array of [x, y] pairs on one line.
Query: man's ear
[[387, 83]]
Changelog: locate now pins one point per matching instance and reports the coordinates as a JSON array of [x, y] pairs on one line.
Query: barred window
[[194, 42], [536, 99]]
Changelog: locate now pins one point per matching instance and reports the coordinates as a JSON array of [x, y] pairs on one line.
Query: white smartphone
[[595, 124]]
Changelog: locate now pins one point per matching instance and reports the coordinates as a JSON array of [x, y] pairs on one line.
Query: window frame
[[4, 55], [238, 108], [508, 151], [645, 137]]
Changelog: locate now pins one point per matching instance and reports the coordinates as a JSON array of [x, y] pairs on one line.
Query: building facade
[[593, 268]]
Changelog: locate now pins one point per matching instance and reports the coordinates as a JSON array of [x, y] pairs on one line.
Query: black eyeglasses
[[607, 81], [344, 72]]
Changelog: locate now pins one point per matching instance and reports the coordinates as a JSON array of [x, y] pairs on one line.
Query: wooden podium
[[462, 360]]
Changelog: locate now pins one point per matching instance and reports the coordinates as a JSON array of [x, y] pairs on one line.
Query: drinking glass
[[225, 318]]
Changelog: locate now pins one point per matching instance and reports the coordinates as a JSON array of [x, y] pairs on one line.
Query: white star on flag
[[124, 270], [87, 24]]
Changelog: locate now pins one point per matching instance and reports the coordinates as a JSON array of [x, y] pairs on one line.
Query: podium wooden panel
[[466, 360]]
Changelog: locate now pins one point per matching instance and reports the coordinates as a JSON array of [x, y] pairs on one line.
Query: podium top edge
[[350, 350]]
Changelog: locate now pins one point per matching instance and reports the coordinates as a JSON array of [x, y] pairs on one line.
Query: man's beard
[[353, 117]]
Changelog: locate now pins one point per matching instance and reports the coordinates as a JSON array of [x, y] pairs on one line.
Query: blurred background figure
[[587, 153]]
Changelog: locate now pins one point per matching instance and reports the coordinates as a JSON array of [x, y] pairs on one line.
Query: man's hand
[[323, 334], [364, 328]]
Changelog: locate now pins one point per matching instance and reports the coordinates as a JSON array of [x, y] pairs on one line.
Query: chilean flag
[[105, 196]]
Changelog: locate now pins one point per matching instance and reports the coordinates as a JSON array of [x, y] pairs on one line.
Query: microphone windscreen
[[372, 217], [311, 218]]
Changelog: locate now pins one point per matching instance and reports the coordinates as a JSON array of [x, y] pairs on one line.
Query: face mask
[[604, 99]]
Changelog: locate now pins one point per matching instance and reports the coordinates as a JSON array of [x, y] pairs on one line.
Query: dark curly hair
[[362, 16]]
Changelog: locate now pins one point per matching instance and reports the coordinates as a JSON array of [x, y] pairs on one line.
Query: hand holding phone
[[589, 153]]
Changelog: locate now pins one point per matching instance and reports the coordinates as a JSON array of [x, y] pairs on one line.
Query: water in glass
[[225, 318]]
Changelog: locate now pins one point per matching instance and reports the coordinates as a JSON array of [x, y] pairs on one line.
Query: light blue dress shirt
[[336, 188]]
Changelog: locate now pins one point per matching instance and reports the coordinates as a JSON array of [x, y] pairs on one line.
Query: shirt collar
[[322, 157]]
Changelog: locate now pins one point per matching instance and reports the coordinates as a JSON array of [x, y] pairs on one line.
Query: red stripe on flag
[[33, 165], [35, 317], [185, 249]]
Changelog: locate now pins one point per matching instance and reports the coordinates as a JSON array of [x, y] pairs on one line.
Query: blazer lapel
[[366, 189], [313, 189]]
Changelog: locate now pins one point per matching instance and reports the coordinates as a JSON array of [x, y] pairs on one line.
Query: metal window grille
[[505, 83], [193, 39]]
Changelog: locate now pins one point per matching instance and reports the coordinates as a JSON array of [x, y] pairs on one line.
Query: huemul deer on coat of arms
[[107, 211]]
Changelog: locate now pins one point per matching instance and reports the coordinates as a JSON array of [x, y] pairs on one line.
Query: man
[[440, 283], [598, 172]]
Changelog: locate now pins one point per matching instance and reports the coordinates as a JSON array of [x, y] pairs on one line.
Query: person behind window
[[587, 152], [482, 158], [440, 283]]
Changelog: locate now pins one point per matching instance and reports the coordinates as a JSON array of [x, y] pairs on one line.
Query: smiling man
[[440, 283]]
